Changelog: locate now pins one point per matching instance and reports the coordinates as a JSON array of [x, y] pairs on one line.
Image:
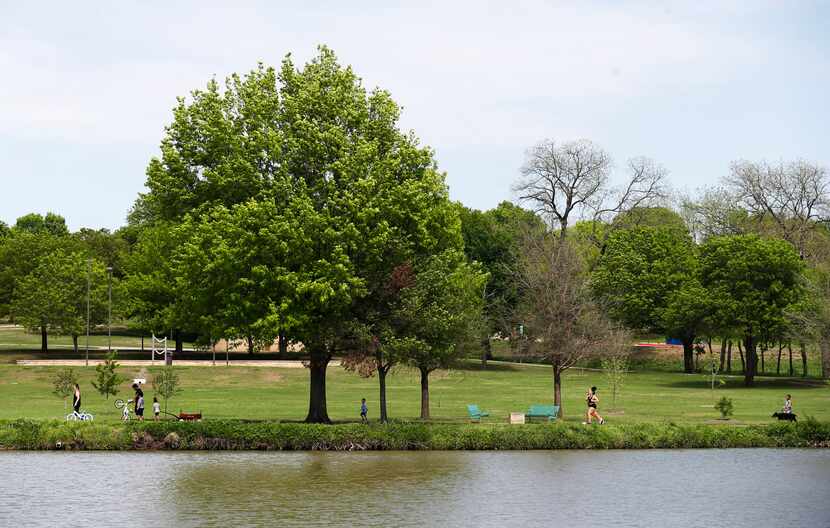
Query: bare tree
[[563, 324], [566, 182], [715, 212], [794, 196]]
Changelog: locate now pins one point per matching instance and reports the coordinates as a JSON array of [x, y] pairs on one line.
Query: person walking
[[76, 399], [788, 405], [592, 400], [156, 409], [364, 410], [139, 402]]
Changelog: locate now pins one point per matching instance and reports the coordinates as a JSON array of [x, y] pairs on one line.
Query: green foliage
[[436, 315], [647, 277], [63, 383], [107, 379], [51, 224], [19, 253], [166, 384], [725, 407], [235, 435], [753, 281], [656, 217], [493, 239], [53, 294]]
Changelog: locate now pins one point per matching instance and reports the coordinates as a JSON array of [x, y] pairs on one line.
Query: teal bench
[[551, 412], [475, 413]]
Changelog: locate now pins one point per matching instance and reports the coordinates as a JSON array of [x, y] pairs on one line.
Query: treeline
[[288, 205]]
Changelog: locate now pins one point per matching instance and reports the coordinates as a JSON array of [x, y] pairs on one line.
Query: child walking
[[156, 409], [364, 410]]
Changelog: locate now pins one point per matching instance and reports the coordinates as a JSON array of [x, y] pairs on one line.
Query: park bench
[[475, 413], [551, 412]]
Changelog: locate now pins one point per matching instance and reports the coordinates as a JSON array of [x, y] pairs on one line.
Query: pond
[[659, 488]]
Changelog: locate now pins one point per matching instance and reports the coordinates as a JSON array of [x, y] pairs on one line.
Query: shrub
[[724, 406]]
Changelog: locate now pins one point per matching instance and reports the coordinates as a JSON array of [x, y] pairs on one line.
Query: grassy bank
[[281, 394], [236, 435]]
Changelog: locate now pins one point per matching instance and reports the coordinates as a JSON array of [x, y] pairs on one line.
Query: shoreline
[[232, 435]]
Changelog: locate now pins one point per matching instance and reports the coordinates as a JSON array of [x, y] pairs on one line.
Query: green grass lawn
[[264, 393]]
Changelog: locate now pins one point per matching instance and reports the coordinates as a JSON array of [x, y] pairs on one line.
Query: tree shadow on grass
[[738, 383]]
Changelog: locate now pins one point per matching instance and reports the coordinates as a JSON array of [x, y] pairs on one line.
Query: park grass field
[[269, 393]]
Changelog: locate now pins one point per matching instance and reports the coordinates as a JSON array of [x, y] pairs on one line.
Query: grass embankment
[[281, 394], [235, 435]]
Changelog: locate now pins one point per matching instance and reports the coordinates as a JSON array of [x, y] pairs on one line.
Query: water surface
[[672, 488]]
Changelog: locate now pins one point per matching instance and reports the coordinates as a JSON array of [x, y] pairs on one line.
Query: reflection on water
[[758, 488]]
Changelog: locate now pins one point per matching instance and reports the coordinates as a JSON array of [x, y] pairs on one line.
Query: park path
[[273, 363]]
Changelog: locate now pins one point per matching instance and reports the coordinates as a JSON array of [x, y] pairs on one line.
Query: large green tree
[[336, 188], [754, 282], [648, 277]]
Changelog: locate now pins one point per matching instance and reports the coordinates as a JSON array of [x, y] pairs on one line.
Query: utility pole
[[109, 311], [88, 272]]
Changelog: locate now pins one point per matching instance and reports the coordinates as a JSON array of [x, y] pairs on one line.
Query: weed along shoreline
[[238, 435]]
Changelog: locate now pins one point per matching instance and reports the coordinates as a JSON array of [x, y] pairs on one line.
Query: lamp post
[[88, 272], [109, 310]]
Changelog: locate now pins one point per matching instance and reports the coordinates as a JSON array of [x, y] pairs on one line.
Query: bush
[[724, 406], [237, 435]]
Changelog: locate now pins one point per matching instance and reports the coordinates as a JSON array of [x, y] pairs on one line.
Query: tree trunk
[[778, 365], [250, 341], [824, 346], [75, 343], [384, 417], [688, 355], [722, 355], [282, 342], [424, 394], [557, 389], [763, 352], [751, 360], [729, 357], [318, 361], [803, 347], [44, 345], [790, 350], [177, 335], [486, 351], [743, 363]]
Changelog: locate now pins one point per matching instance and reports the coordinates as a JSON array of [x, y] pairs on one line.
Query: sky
[[86, 88]]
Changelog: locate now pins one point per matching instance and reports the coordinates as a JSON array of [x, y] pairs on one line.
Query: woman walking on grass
[[592, 400]]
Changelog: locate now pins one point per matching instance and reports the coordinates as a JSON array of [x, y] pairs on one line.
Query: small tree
[[615, 363], [724, 406], [64, 383], [107, 379], [562, 323], [166, 384]]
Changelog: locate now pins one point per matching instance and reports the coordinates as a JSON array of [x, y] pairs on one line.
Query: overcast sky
[[87, 89]]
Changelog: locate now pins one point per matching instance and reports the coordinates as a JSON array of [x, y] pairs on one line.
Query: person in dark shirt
[[139, 402], [364, 410]]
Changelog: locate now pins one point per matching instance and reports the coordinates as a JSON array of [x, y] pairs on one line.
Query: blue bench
[[476, 414], [551, 412]]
